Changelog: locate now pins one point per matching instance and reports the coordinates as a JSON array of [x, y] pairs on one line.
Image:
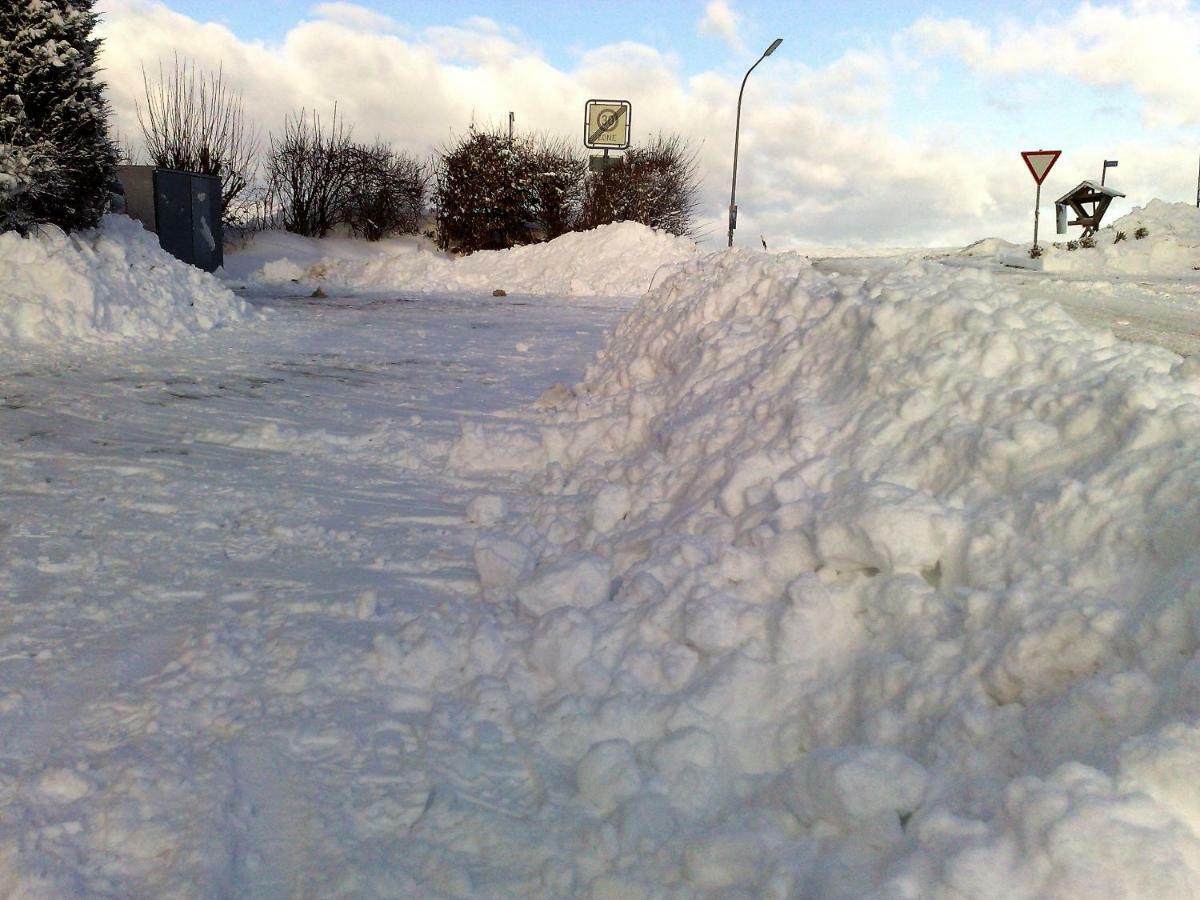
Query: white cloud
[[720, 21], [817, 163], [355, 16], [1151, 48]]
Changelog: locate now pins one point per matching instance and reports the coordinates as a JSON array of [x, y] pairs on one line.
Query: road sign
[[1040, 162], [606, 124]]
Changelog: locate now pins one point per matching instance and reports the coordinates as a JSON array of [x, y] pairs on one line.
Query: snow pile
[[1171, 247], [613, 260], [862, 587], [276, 257], [988, 248], [110, 283]]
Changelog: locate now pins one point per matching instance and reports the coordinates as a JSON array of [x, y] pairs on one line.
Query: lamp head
[[775, 43]]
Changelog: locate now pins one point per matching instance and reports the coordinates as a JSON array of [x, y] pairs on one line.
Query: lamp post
[[736, 128]]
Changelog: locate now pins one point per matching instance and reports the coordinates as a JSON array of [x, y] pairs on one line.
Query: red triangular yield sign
[[1040, 162]]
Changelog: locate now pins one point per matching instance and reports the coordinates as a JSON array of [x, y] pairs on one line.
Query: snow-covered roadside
[[113, 283], [872, 586], [619, 260]]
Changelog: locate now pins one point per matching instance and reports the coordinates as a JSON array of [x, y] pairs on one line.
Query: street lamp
[[736, 128]]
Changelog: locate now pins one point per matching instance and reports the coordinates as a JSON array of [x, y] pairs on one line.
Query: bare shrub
[[193, 121], [385, 193], [309, 172], [1087, 243], [1141, 232], [656, 184]]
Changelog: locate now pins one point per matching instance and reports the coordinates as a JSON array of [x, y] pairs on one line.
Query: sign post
[[1039, 162], [606, 127], [1108, 164]]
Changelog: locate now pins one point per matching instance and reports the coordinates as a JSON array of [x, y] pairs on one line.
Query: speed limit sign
[[606, 124]]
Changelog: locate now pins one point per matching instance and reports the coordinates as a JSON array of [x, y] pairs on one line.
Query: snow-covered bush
[[558, 179], [56, 159], [656, 185], [485, 194]]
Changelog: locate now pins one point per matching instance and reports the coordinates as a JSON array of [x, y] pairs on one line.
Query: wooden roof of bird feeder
[[1087, 192]]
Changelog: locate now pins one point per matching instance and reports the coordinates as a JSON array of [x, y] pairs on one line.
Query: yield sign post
[[1039, 162]]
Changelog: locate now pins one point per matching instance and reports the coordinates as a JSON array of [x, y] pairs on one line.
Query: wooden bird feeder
[[1078, 199]]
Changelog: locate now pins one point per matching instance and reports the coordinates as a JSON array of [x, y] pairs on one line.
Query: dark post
[[736, 129], [1036, 212]]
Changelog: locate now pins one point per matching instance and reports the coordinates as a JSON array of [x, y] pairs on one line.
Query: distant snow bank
[[105, 284], [885, 589], [1172, 246], [613, 260]]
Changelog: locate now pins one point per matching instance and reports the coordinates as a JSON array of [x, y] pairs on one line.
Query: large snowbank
[[860, 587], [109, 283], [1172, 246], [612, 260]]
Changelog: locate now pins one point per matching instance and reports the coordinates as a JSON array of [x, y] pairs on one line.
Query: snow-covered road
[[1162, 311], [204, 551]]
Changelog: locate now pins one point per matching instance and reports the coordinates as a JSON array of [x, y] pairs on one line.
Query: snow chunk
[[486, 510], [608, 774], [501, 562], [63, 785], [580, 581], [850, 787]]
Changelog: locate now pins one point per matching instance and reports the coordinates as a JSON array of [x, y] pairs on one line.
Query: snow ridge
[[617, 260], [868, 586]]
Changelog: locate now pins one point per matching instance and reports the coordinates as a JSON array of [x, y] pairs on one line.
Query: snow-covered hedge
[[104, 284], [612, 260], [885, 589]]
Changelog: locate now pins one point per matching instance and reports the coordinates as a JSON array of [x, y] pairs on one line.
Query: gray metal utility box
[[182, 208]]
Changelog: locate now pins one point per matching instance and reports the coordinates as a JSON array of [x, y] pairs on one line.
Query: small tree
[[309, 173], [656, 185], [485, 196], [56, 160], [194, 122], [385, 193]]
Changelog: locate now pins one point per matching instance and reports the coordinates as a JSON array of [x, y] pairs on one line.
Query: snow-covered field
[[868, 577]]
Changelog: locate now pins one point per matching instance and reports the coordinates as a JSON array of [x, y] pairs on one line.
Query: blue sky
[[933, 100], [817, 32]]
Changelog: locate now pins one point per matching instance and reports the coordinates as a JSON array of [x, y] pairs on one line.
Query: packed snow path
[[211, 554]]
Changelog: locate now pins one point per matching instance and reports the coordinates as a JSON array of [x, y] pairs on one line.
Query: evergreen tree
[[56, 158]]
